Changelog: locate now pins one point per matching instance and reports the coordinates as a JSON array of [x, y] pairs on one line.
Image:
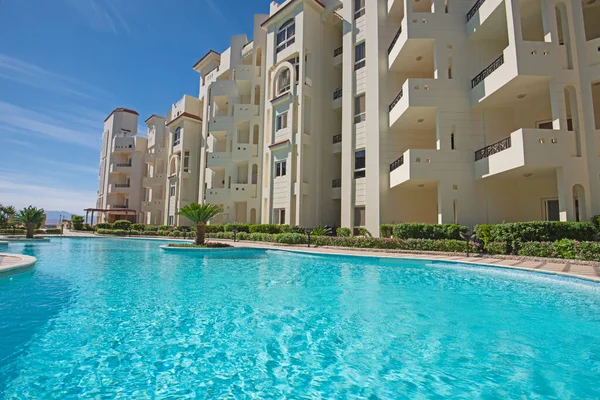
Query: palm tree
[[200, 214], [6, 214], [31, 217]]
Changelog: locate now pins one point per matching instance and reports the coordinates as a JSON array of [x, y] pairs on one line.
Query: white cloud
[[32, 75], [102, 14], [24, 190], [33, 122]]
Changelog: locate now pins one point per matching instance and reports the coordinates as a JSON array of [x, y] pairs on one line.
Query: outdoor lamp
[[468, 236]]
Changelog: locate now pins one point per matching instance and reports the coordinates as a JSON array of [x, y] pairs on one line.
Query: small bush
[[116, 232], [261, 237], [137, 227], [596, 223], [104, 225], [54, 231], [18, 231], [163, 227], [322, 231], [343, 232], [386, 230], [122, 225], [495, 247], [176, 233], [239, 227], [483, 233], [428, 231], [243, 236], [363, 232], [265, 228], [150, 228], [566, 249], [213, 228], [290, 238]]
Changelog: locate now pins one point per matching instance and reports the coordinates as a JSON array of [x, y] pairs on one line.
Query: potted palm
[[31, 217], [200, 214]]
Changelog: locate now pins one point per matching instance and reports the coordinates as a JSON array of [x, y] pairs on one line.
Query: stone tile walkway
[[553, 266]]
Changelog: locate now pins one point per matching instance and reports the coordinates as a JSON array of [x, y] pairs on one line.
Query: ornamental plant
[[200, 215], [31, 217]]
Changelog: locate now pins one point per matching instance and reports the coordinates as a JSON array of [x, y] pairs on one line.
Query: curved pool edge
[[168, 248], [11, 264]]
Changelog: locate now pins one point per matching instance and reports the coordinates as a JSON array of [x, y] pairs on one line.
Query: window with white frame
[[359, 56], [280, 168], [282, 121], [186, 162], [360, 216], [284, 81], [279, 216], [177, 136], [360, 108], [172, 190], [359, 164], [359, 8], [286, 35], [170, 220]]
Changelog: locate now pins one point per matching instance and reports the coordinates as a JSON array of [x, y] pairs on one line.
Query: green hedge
[[386, 230], [344, 232], [596, 223], [116, 232], [121, 225], [568, 249], [104, 225], [214, 228], [11, 232], [265, 228], [428, 231], [516, 233], [138, 227], [239, 227]]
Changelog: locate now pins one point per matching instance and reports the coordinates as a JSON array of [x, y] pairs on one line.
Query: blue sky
[[66, 64]]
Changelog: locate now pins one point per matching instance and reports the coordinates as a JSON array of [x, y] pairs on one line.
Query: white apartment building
[[155, 177], [120, 191], [357, 113]]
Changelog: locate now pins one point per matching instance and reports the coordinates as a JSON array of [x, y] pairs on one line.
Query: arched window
[[286, 35], [284, 81], [177, 136]]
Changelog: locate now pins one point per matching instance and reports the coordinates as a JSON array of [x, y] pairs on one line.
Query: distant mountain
[[53, 217]]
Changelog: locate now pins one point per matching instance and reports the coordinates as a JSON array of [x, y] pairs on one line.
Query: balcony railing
[[493, 149], [337, 94], [336, 183], [338, 51], [396, 164], [395, 39], [123, 207], [124, 165], [122, 185], [397, 99], [487, 71], [337, 139], [474, 9]]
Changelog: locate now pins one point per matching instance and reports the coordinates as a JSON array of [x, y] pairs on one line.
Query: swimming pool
[[110, 317]]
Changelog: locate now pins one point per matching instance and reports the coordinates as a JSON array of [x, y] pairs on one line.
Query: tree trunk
[[200, 233], [30, 229]]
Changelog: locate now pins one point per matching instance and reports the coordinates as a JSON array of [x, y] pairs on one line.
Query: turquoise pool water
[[102, 318]]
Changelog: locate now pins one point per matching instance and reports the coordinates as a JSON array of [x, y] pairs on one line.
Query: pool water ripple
[[121, 318]]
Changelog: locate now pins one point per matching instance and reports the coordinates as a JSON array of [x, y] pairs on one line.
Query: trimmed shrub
[[243, 236], [596, 222], [285, 229], [122, 225], [137, 227], [163, 227], [495, 247], [343, 232], [214, 228], [13, 232], [150, 228], [386, 230], [261, 237], [291, 238], [363, 232], [321, 231], [483, 233], [175, 233], [77, 222], [265, 228], [568, 249], [54, 231], [239, 227], [428, 231], [542, 231], [104, 225], [89, 228], [116, 232]]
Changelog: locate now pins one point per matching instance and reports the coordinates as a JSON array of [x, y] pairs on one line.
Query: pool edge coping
[[23, 264]]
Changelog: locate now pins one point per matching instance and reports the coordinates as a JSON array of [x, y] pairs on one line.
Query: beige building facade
[[357, 113]]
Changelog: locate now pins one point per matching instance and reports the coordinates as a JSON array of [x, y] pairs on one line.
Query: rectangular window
[[186, 162], [282, 121], [359, 216], [280, 168], [359, 164], [359, 8], [279, 216], [286, 35], [359, 56], [551, 210], [360, 106], [177, 137], [284, 81], [170, 220], [172, 190]]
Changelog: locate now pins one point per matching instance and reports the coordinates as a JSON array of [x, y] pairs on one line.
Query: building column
[[566, 203], [558, 106], [513, 20], [445, 203]]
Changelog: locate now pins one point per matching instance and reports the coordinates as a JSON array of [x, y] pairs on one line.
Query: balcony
[[218, 159], [120, 168], [151, 158], [188, 105], [156, 180], [242, 152], [417, 167], [245, 111], [240, 191], [593, 47], [337, 56], [152, 206], [517, 71], [484, 16], [123, 144], [119, 188], [245, 72], [223, 123], [524, 152], [415, 105], [337, 99], [224, 88], [336, 189], [217, 196], [118, 207], [337, 144]]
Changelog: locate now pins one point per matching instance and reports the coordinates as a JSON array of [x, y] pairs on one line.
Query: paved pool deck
[[584, 269], [15, 263]]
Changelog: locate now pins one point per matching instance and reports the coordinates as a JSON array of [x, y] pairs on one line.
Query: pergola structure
[[125, 211]]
